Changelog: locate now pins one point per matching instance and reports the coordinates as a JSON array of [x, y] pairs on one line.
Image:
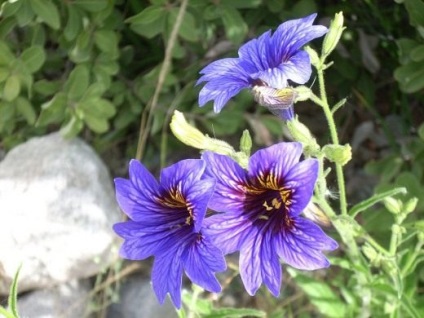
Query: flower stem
[[334, 139]]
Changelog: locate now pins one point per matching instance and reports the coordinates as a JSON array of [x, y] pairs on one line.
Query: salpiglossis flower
[[261, 216], [166, 222], [267, 63]]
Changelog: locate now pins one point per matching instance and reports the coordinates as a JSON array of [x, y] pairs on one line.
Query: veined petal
[[297, 68], [230, 185], [250, 261], [198, 197], [222, 68], [301, 246], [142, 179], [220, 91], [201, 260], [276, 160], [227, 231], [182, 174], [270, 265], [301, 178], [255, 52], [167, 275], [273, 77]]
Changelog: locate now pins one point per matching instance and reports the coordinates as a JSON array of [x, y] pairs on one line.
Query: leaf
[[78, 82], [4, 74], [13, 294], [107, 41], [417, 53], [25, 14], [188, 29], [74, 24], [5, 313], [361, 206], [235, 27], [10, 8], [235, 313], [52, 111], [147, 16], [6, 26], [96, 124], [320, 294], [46, 88], [421, 131], [25, 108], [33, 58], [415, 10], [47, 11], [72, 127], [97, 107], [242, 4], [91, 5], [12, 87], [6, 55]]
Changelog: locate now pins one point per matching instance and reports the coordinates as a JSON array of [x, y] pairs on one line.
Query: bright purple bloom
[[269, 61], [261, 219], [166, 222]]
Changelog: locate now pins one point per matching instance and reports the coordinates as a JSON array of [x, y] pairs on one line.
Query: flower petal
[[220, 91], [276, 160], [255, 53], [301, 180], [270, 265], [167, 275], [201, 259], [297, 68], [228, 232], [198, 197], [230, 182], [301, 246], [142, 179], [183, 172], [250, 261]]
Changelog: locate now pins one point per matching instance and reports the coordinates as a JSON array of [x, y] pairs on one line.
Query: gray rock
[[137, 299], [57, 208], [68, 300]]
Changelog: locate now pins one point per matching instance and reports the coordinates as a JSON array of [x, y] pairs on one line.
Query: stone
[[67, 300], [57, 208], [137, 299]]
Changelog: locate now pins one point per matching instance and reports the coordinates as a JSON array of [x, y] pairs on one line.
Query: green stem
[[334, 139], [376, 245]]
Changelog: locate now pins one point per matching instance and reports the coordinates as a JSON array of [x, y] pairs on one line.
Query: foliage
[[13, 299]]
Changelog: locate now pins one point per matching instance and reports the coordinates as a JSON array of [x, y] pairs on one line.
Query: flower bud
[[333, 36], [410, 205], [393, 205], [313, 55], [340, 154], [193, 137], [302, 134], [372, 255], [302, 93], [246, 143]]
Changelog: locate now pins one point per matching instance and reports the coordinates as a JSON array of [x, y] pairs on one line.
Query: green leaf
[[25, 14], [74, 24], [421, 131], [78, 82], [91, 5], [47, 11], [25, 108], [357, 208], [12, 88], [81, 52], [13, 294], [5, 313], [147, 16], [6, 55], [4, 74], [7, 114], [107, 41], [72, 127], [417, 53], [97, 107], [46, 88], [96, 124], [235, 27], [235, 313], [410, 308], [242, 4], [415, 10], [10, 8], [6, 26], [33, 58], [320, 294], [53, 111], [188, 29]]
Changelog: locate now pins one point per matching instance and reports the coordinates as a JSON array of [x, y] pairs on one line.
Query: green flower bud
[[302, 134], [373, 256], [340, 154], [302, 93], [393, 205], [193, 137], [410, 205], [246, 143], [313, 55], [333, 36]]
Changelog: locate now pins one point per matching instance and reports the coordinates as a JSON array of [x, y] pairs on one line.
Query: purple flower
[[166, 222], [269, 61], [261, 219]]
